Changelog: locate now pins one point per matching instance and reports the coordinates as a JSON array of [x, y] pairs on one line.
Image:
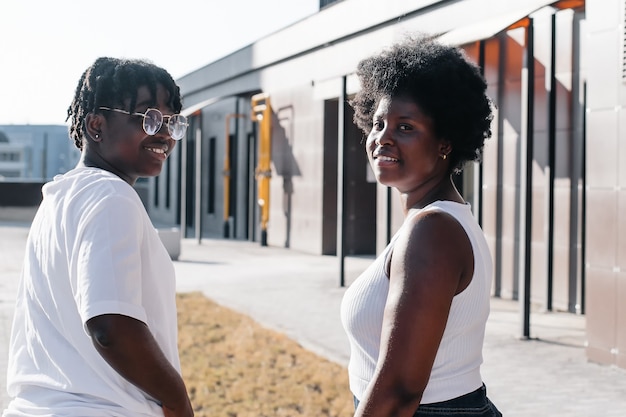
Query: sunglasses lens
[[177, 126], [152, 121]]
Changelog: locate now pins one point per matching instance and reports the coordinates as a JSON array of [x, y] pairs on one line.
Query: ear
[[93, 126], [445, 147]]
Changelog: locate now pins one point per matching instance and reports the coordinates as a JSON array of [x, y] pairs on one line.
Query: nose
[[163, 130], [383, 137]]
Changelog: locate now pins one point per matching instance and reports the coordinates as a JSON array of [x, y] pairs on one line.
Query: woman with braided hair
[[95, 327], [415, 319]]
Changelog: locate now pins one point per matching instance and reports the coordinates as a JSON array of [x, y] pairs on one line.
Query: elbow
[[408, 397], [99, 329], [391, 395], [407, 394]]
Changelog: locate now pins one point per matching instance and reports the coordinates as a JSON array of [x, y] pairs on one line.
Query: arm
[[432, 261], [128, 346]]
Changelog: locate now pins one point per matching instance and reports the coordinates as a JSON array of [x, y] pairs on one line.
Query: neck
[[94, 160], [443, 190]]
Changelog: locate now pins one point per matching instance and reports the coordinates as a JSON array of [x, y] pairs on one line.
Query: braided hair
[[110, 82], [443, 83]]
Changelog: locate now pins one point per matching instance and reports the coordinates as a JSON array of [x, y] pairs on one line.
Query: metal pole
[[341, 193], [502, 55], [480, 176], [388, 214], [183, 187], [265, 170], [198, 193], [526, 182], [262, 113], [228, 171], [252, 191], [551, 169], [583, 232]]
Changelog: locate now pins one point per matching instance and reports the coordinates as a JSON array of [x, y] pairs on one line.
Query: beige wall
[[606, 184]]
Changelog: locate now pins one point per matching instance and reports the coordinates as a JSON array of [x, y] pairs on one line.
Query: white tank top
[[456, 369]]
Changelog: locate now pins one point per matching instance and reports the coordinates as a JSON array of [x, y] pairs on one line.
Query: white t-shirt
[[456, 369], [91, 250]]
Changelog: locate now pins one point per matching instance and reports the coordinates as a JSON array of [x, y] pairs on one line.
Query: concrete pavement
[[299, 295]]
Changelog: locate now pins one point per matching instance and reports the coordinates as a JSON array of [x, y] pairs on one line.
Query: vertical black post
[[234, 170], [198, 191], [479, 188], [501, 55], [388, 224], [526, 237], [583, 232], [341, 192], [551, 169], [182, 186], [252, 187]]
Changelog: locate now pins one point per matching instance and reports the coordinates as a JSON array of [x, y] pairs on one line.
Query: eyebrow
[[413, 117]]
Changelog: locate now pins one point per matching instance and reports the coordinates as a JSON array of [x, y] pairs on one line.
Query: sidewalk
[[299, 295]]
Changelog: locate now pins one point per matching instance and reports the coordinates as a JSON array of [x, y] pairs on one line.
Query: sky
[[45, 45]]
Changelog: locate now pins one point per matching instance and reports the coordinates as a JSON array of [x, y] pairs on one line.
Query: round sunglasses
[[153, 120]]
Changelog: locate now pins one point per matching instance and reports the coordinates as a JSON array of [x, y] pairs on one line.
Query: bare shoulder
[[436, 226], [433, 243]]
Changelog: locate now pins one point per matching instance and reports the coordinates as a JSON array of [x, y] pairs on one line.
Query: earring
[[444, 156], [97, 136]]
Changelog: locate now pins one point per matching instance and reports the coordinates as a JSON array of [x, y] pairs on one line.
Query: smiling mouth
[[160, 151], [385, 158]]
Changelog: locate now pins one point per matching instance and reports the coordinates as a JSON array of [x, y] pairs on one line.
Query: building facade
[[550, 193], [35, 152]]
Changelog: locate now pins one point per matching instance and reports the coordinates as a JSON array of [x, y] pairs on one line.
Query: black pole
[[551, 169], [254, 208], [341, 189], [234, 171], [499, 189], [527, 236], [198, 184], [583, 232], [182, 201], [226, 229], [388, 224], [479, 190]]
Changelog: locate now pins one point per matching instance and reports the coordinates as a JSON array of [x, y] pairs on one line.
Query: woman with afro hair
[[415, 319]]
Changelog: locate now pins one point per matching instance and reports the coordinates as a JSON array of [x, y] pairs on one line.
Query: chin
[[151, 173], [386, 181], [395, 184], [153, 170]]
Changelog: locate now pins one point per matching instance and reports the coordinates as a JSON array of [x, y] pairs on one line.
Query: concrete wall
[[606, 184]]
